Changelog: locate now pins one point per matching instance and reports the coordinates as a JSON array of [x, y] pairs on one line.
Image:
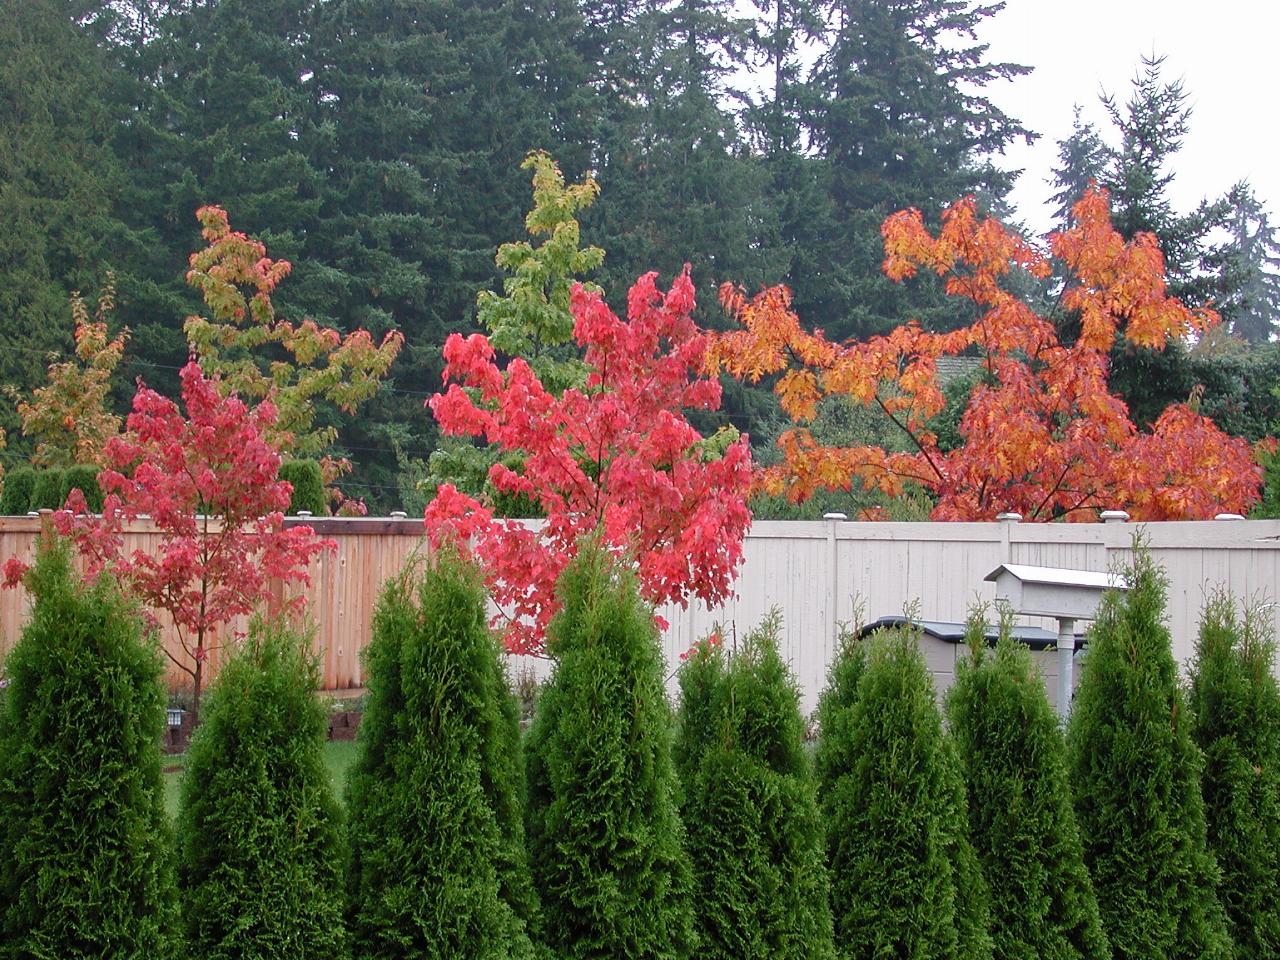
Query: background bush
[[605, 840], [86, 860], [1236, 708], [429, 861], [308, 486], [47, 493], [19, 486], [904, 879], [259, 832], [754, 834], [84, 478], [1021, 821], [1135, 771]]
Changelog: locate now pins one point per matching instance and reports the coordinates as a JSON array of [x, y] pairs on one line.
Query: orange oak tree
[[1042, 435]]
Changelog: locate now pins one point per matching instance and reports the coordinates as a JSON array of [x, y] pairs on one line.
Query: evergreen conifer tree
[[605, 838], [1135, 772], [86, 865], [754, 834], [1020, 816], [1236, 708], [436, 858], [19, 487], [904, 878], [260, 831]]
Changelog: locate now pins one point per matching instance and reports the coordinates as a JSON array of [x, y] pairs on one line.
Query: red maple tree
[[616, 459], [208, 481], [1043, 436]]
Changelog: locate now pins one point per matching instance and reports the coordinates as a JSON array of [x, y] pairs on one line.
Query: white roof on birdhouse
[[1059, 576]]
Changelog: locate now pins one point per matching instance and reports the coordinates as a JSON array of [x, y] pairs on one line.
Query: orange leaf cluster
[[1043, 435]]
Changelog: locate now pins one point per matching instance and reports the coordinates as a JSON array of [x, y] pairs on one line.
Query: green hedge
[[260, 851], [19, 485], [48, 492], [84, 478], [86, 857], [308, 486]]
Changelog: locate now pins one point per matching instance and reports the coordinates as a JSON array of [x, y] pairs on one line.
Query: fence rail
[[818, 573]]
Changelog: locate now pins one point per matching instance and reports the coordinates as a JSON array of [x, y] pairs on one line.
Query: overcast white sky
[[1227, 53]]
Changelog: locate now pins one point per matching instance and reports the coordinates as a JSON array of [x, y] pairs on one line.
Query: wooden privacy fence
[[818, 573]]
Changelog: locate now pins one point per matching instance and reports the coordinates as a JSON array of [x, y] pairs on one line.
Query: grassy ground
[[338, 756]]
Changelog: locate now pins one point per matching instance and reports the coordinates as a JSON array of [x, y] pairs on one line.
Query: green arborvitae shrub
[[1135, 773], [1021, 821], [1236, 722], [605, 839], [19, 485], [433, 804], [84, 478], [259, 831], [308, 486], [86, 860], [904, 879], [47, 494], [755, 838]]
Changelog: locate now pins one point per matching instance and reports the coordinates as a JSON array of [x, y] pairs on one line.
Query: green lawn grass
[[338, 756]]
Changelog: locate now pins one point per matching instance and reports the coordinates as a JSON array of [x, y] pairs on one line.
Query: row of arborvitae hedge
[[27, 488], [619, 830]]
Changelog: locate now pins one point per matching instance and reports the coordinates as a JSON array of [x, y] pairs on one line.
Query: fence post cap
[[835, 516], [1009, 517], [1114, 516], [399, 515], [303, 513], [1229, 516]]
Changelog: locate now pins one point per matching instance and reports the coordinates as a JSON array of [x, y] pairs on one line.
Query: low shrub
[[904, 877], [1021, 821], [19, 486], [308, 486], [1236, 708], [1135, 773], [259, 831], [86, 861], [84, 478], [605, 839], [436, 854], [47, 493], [755, 838]]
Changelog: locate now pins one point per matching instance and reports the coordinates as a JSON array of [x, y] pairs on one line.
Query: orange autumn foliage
[[1043, 435]]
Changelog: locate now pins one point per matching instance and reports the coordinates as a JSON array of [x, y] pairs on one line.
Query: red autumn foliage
[[1044, 436], [616, 458], [209, 482]]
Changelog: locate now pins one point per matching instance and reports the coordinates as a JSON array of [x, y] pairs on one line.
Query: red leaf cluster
[[616, 458]]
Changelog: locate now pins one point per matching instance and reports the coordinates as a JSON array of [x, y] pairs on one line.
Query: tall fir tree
[[1236, 709], [1135, 770], [897, 122], [86, 860], [436, 852], [1247, 267], [259, 829], [755, 836], [1083, 159], [904, 876], [59, 183], [1021, 819], [605, 837]]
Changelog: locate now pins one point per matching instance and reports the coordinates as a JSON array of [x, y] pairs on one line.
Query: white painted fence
[[816, 572]]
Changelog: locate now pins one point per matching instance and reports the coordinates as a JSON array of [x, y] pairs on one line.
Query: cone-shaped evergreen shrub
[[1021, 820], [86, 863], [19, 486], [1236, 709], [430, 861], [47, 494], [904, 878], [1135, 772], [605, 840], [259, 832], [308, 485], [84, 478], [755, 838]]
